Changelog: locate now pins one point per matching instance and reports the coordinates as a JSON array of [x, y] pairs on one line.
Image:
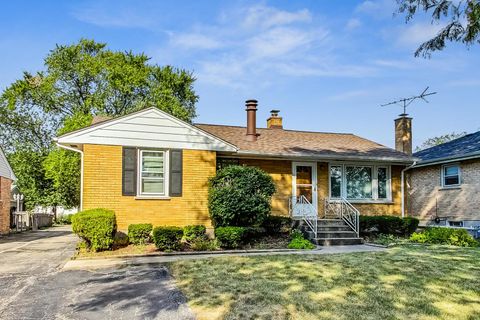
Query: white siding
[[149, 128], [5, 169]]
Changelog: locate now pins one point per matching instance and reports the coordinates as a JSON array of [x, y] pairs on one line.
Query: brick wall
[[281, 172], [103, 188], [5, 187], [427, 199]]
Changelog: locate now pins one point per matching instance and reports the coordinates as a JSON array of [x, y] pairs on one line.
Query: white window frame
[[165, 192], [343, 189], [444, 176]]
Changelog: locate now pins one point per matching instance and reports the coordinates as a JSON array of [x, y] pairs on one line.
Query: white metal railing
[[344, 210], [300, 207]]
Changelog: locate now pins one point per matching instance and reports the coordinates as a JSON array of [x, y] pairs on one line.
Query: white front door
[[304, 183]]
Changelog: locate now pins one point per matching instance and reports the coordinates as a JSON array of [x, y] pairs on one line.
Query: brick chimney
[[251, 108], [274, 122], [403, 134]]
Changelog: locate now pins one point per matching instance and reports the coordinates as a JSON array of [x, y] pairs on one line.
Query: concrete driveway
[[34, 287]]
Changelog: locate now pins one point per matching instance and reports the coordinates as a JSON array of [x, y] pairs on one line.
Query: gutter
[[338, 157], [403, 187], [81, 169], [473, 155]]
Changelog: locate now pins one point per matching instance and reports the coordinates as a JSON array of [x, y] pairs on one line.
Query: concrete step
[[333, 228], [330, 222], [337, 241], [336, 234]]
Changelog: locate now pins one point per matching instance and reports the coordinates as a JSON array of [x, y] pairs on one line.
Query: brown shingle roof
[[278, 142]]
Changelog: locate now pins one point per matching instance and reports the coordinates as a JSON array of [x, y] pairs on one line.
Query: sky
[[326, 65]]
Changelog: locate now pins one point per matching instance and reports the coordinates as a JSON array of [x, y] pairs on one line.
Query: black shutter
[[129, 171], [176, 168]]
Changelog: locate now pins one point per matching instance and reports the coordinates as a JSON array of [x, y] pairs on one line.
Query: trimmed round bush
[[191, 233], [120, 240], [451, 236], [168, 238], [97, 227], [240, 196], [230, 237], [140, 233]]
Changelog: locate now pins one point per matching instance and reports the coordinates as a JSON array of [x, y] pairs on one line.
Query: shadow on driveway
[[134, 292]]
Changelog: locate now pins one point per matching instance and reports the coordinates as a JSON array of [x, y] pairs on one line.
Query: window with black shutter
[[129, 171], [176, 168]]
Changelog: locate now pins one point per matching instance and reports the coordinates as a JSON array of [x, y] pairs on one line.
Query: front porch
[[329, 196], [338, 224]]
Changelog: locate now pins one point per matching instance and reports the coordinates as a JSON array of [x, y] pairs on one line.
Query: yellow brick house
[[149, 166]]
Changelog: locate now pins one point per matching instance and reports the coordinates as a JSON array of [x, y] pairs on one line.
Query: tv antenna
[[405, 102]]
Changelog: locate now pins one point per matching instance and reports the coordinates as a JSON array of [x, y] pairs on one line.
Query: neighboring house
[[6, 179], [149, 166], [444, 185]]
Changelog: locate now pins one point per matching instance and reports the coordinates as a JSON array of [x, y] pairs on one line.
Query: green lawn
[[407, 282]]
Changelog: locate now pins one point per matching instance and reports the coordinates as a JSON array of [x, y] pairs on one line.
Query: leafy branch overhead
[[78, 82], [461, 19]]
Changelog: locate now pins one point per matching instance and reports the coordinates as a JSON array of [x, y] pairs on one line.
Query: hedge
[[375, 225], [230, 237], [97, 227], [451, 236], [168, 238], [193, 232], [140, 233]]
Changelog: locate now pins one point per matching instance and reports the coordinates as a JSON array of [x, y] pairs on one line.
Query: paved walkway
[[34, 286], [92, 264]]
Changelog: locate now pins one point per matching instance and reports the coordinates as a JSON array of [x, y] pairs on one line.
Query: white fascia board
[[155, 128], [309, 157]]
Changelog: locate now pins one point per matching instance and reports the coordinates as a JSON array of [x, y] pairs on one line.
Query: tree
[[87, 78], [31, 180], [80, 81], [240, 196], [435, 141], [462, 21]]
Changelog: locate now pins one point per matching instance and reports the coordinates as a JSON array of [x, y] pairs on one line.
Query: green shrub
[[298, 241], [375, 225], [168, 238], [140, 233], [296, 234], [230, 237], [191, 233], [97, 227], [451, 236], [120, 240], [275, 224], [240, 196], [204, 244]]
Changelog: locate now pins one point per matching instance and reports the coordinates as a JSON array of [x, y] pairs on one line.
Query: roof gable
[[5, 168], [147, 128], [465, 146]]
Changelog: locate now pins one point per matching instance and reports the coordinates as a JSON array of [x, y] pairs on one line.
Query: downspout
[[403, 186], [81, 170]]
